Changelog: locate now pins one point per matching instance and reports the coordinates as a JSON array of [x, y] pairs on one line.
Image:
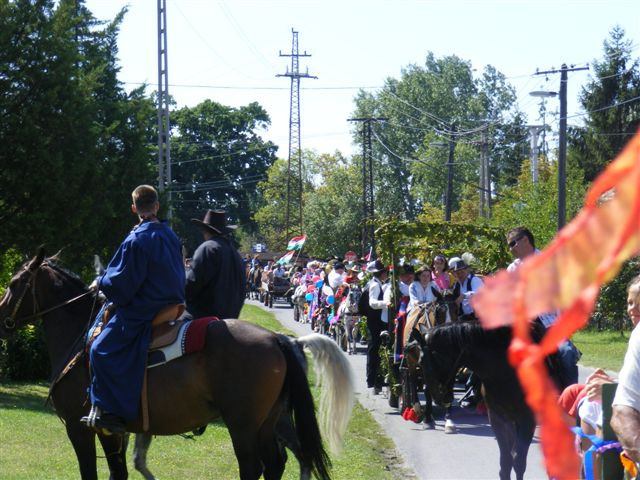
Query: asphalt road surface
[[472, 453]]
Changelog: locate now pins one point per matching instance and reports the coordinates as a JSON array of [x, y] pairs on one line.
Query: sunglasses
[[514, 242]]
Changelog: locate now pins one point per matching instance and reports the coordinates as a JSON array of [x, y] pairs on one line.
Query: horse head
[[38, 287], [18, 301]]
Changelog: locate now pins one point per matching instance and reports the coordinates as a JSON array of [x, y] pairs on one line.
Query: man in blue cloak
[[145, 275]]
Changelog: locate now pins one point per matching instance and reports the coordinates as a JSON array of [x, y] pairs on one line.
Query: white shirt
[[335, 279], [628, 391], [419, 294], [375, 288]]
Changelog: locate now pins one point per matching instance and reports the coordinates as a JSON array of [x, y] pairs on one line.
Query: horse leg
[[288, 437], [83, 441], [115, 451], [524, 434], [140, 449], [504, 431]]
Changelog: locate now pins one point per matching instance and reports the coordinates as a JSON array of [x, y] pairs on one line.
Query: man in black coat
[[216, 278]]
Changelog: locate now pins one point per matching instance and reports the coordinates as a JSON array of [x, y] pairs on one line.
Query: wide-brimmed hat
[[215, 221], [459, 265], [375, 266], [354, 267]]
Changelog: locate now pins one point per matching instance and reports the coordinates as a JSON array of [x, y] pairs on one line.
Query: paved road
[[472, 453]]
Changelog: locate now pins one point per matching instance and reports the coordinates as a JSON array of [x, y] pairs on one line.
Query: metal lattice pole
[[295, 149]]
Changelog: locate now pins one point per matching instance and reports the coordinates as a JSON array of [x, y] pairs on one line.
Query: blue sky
[[227, 50]]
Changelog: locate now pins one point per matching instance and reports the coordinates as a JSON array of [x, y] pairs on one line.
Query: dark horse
[[249, 377], [467, 344]]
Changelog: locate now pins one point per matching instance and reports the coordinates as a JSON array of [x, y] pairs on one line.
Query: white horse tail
[[334, 375]]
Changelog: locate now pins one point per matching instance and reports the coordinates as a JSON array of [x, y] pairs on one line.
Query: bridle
[[9, 322]]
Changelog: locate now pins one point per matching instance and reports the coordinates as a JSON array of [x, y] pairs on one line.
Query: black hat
[[406, 268], [376, 266], [338, 265], [215, 221]]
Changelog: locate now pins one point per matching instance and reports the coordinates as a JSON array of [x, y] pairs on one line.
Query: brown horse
[[249, 377]]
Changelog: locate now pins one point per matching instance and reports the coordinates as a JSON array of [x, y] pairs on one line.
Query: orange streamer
[[566, 277]]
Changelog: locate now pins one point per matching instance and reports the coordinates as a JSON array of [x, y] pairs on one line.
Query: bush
[[610, 311], [24, 356]]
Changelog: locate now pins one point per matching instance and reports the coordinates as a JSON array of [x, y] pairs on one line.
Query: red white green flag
[[286, 258], [296, 243]]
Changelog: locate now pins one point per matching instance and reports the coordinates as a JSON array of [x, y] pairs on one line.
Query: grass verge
[[604, 349]]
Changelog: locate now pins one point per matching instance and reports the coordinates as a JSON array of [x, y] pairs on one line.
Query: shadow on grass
[[25, 396]]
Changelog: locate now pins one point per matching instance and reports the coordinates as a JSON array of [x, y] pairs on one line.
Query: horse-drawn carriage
[[277, 288]]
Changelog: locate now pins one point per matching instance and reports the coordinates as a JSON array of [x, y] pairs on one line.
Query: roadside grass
[[603, 349], [35, 446]]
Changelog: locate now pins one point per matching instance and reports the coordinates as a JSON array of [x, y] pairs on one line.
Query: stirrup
[[90, 419]]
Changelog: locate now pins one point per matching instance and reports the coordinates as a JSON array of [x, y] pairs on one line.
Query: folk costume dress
[[215, 281], [145, 275]]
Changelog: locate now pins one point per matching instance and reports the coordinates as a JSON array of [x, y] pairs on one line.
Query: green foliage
[[73, 143], [423, 107], [9, 262], [333, 210], [616, 79], [218, 158], [421, 240], [536, 206], [24, 356], [610, 311]]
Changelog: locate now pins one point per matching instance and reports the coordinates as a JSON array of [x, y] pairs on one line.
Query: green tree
[[333, 210], [73, 144], [218, 158], [616, 80], [426, 108]]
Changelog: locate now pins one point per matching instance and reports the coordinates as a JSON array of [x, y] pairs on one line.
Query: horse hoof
[[449, 427]]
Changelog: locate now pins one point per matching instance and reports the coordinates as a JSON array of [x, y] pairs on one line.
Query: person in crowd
[[420, 288], [625, 420], [215, 281], [469, 285], [440, 274], [336, 276], [377, 321], [353, 269], [279, 271], [522, 244], [144, 276]]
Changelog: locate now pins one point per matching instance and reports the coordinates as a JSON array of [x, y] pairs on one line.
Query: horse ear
[[37, 260]]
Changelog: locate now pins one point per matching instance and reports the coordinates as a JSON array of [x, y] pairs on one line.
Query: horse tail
[[333, 372], [309, 448]]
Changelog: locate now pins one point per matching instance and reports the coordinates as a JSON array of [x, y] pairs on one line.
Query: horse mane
[[463, 334], [73, 278]]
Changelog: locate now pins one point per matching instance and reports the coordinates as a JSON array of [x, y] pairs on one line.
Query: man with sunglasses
[[522, 244]]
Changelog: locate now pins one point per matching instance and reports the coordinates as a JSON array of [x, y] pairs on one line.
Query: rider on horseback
[[145, 275]]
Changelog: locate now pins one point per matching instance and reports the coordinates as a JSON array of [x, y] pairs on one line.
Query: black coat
[[216, 280]]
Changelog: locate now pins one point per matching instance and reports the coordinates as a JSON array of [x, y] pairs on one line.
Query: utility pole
[[562, 151], [449, 194], [295, 150], [368, 237], [164, 127], [485, 179], [534, 130]]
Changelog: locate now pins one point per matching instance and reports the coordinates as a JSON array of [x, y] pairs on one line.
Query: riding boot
[[104, 422]]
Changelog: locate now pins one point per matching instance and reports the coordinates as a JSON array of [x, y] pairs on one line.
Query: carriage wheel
[[406, 399]]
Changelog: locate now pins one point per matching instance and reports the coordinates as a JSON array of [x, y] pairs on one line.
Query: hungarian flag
[[285, 259], [566, 276], [296, 243]]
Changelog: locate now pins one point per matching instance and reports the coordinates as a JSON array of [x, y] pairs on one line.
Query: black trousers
[[374, 327]]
